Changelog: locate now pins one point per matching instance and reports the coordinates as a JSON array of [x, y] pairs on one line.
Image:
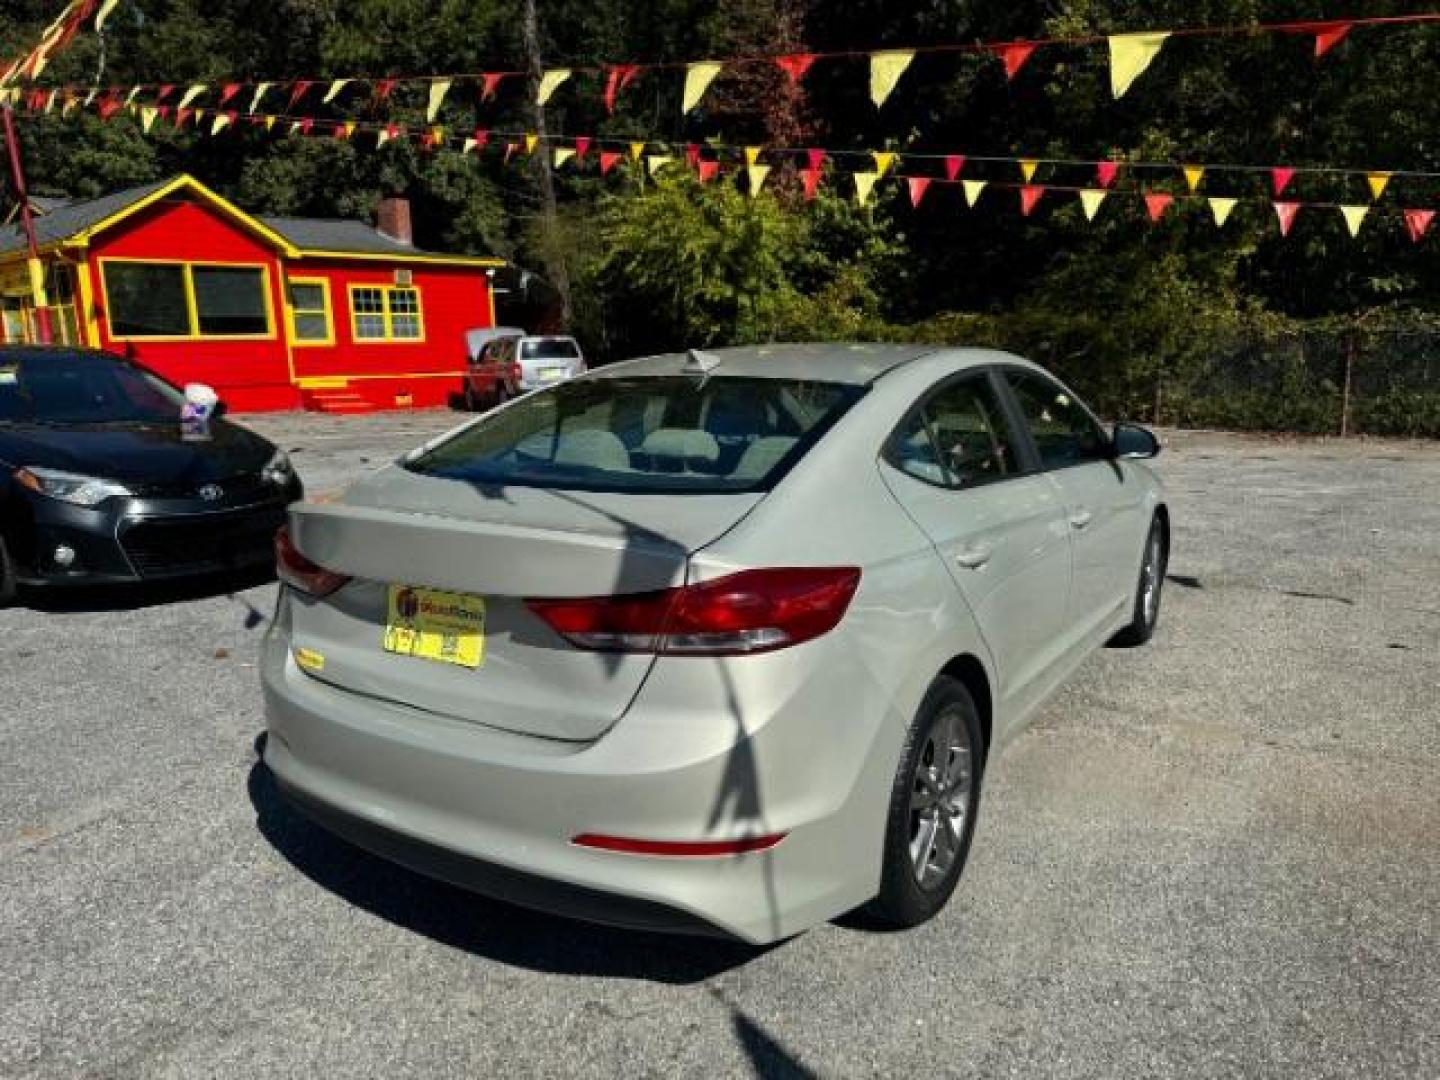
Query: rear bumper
[[497, 812]]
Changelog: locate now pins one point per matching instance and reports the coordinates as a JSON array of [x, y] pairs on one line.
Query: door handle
[[973, 558], [1081, 518]]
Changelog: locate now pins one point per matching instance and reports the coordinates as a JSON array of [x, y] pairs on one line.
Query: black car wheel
[[472, 404], [1146, 613], [502, 393], [7, 576], [932, 807]]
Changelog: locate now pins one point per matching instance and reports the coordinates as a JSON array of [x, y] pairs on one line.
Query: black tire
[[905, 900], [7, 576], [502, 394], [472, 403], [1146, 616]]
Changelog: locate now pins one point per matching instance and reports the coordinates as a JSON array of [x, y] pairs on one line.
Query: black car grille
[[202, 543], [233, 488]]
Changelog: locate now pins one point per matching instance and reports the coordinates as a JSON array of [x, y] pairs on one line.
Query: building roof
[[297, 237], [68, 219]]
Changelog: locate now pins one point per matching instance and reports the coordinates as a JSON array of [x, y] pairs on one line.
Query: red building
[[275, 313]]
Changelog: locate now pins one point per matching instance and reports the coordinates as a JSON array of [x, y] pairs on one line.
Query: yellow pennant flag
[[531, 139], [1028, 167], [1378, 181], [655, 162], [883, 160], [1090, 200], [752, 155], [1354, 218], [199, 115], [50, 101], [104, 13], [864, 185], [269, 123], [147, 117], [347, 129], [756, 175], [191, 94], [698, 77], [1221, 208], [260, 92], [294, 126], [222, 121], [438, 89], [334, 91], [384, 135], [1130, 55], [470, 143], [562, 153], [973, 188], [636, 149], [69, 106], [550, 81], [1193, 175], [886, 67]]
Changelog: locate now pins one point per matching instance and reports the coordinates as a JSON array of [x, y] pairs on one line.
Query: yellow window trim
[[291, 311], [401, 257], [387, 314], [192, 315], [210, 198]]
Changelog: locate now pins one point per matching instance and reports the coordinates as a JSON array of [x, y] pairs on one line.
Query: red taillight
[[678, 849], [749, 612], [299, 572]]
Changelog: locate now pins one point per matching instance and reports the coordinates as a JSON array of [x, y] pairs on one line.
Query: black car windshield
[[82, 388], [646, 434]]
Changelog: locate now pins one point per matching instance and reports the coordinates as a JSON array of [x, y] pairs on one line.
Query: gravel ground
[[1217, 856]]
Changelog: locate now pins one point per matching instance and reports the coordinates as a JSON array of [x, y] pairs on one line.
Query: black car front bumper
[[130, 540]]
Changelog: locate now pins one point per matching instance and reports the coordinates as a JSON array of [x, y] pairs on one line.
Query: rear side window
[[1064, 431], [958, 438], [655, 434]]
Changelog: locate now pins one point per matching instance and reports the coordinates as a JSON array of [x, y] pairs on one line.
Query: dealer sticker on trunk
[[434, 625]]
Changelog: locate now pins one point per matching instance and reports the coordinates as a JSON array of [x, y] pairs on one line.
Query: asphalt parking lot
[[1217, 856]]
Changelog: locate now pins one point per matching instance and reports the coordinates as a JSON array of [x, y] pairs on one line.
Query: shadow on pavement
[[478, 925], [83, 599]]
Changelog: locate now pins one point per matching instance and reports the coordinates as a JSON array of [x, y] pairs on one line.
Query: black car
[[106, 476]]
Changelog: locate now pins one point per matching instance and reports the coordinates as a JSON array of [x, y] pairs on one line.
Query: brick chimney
[[393, 219]]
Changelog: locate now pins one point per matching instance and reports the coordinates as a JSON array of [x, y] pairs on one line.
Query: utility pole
[[27, 222], [554, 259]]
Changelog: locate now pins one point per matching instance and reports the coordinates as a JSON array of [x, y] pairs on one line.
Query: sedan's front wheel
[[1146, 614], [932, 807]]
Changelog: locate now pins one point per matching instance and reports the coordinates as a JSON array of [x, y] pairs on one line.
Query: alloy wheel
[[940, 799], [1150, 578]]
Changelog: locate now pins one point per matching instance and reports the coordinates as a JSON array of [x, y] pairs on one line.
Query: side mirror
[[1132, 442]]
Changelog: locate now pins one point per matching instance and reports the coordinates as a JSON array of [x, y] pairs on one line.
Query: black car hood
[[137, 453]]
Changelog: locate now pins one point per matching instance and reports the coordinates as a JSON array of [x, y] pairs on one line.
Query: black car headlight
[[70, 488], [278, 470]]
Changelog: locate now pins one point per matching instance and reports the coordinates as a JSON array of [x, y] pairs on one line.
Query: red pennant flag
[[811, 179], [1105, 173], [1015, 54], [582, 146], [617, 79], [297, 91], [36, 100], [181, 115], [482, 140], [692, 155], [1281, 178], [490, 82], [1286, 212], [1328, 35], [233, 115], [815, 159], [384, 88], [1156, 203], [109, 107], [918, 186], [163, 111], [708, 170], [608, 160], [795, 65], [954, 163], [163, 93], [341, 132], [1030, 196], [1418, 222], [230, 90]]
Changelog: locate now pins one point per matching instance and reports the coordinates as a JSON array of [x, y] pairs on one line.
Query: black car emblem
[[212, 493]]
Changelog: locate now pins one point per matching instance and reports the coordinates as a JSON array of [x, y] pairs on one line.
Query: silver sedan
[[718, 642]]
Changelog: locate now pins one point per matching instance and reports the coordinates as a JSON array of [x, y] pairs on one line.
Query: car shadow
[[478, 925], [79, 600]]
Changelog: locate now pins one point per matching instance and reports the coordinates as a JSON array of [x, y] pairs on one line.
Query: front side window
[[310, 311], [1064, 431], [385, 313], [646, 434], [186, 300], [959, 438]]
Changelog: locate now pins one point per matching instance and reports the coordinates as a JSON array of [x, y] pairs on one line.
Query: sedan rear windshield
[[549, 349], [646, 434]]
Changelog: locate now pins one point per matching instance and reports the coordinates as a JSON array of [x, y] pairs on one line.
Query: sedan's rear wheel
[[1146, 614], [932, 807]]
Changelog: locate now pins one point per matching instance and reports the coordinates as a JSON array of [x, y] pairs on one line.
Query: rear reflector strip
[[678, 849]]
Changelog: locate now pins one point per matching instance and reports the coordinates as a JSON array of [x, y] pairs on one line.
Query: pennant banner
[[1286, 212], [698, 78], [918, 186], [885, 71], [551, 81], [1193, 175], [756, 175], [1418, 223], [436, 98], [1354, 218], [1090, 201], [1222, 208], [973, 190], [864, 185]]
